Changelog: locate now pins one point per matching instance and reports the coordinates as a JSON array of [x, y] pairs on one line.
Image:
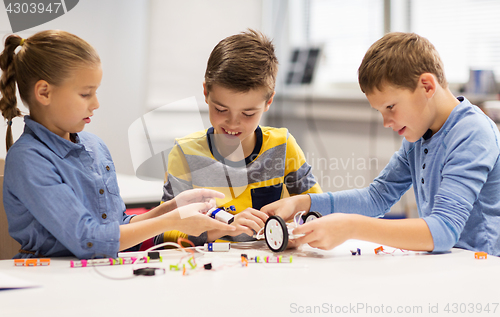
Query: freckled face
[[404, 111], [236, 114]]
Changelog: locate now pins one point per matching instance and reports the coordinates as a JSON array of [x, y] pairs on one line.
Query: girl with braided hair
[[61, 194]]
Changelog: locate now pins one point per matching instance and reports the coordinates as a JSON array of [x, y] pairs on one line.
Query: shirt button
[[90, 244], [422, 180], [101, 191], [426, 151], [104, 216], [107, 168], [423, 166]]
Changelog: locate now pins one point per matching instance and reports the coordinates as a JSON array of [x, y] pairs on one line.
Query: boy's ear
[[429, 83], [43, 92], [205, 91], [269, 101]]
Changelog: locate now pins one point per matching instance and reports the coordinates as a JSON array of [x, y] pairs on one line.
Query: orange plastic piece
[[481, 255], [379, 249], [44, 262], [244, 261], [19, 262], [32, 262]]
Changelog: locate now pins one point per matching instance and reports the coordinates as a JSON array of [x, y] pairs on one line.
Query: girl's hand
[[191, 220], [198, 195]]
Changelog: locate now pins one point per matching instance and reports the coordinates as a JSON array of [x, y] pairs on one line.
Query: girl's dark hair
[[48, 55]]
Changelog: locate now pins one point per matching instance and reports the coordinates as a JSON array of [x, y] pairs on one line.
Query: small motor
[[221, 215]]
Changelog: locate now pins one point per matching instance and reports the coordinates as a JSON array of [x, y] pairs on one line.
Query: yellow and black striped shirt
[[276, 168]]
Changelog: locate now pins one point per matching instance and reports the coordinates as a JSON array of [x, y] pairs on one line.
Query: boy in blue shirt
[[450, 155]]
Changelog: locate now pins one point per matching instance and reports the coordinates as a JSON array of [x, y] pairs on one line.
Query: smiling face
[[406, 112], [70, 105], [236, 115]]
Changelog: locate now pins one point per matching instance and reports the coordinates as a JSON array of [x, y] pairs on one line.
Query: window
[[465, 32], [344, 30]]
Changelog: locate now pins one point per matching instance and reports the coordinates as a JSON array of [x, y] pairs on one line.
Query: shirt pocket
[[265, 195], [109, 177]]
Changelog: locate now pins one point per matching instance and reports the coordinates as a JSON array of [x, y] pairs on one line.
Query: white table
[[327, 281]]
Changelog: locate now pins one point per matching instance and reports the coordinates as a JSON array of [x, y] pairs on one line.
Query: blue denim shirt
[[455, 175], [62, 198]]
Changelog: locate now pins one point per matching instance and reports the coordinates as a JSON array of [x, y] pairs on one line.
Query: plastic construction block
[[32, 262], [481, 255], [357, 251]]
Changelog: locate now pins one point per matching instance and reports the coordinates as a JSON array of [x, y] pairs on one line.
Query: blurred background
[[154, 54]]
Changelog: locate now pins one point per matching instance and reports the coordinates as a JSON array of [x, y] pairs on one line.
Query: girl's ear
[[43, 92], [429, 83]]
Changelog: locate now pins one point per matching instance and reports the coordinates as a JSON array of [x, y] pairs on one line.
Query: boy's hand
[[198, 195], [288, 207], [248, 220], [326, 232], [190, 220]]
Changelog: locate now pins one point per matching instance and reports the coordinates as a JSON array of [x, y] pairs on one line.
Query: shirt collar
[[456, 114], [58, 145], [248, 159], [452, 119]]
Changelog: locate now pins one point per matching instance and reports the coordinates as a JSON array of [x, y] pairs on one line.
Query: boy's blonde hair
[[48, 55], [399, 59], [243, 62]]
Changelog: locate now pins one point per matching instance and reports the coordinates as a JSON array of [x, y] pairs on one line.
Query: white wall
[[119, 33], [183, 33]]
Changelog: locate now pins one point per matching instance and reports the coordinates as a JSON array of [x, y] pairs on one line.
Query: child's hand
[[326, 232], [293, 244], [190, 219], [198, 195], [288, 207], [248, 220]]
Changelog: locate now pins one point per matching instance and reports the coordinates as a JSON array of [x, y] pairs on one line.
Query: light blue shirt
[[456, 178], [62, 198]]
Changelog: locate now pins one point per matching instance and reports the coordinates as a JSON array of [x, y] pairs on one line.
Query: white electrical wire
[[178, 246]]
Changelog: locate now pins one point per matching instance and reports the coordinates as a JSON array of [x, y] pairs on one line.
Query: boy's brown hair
[[243, 62], [399, 59]]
